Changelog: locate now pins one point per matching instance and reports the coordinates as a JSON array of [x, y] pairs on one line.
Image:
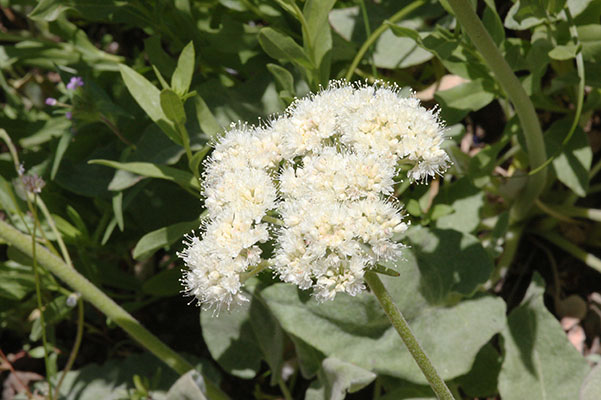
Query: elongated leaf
[[284, 80], [320, 37], [149, 98], [118, 209], [173, 107], [162, 237], [182, 76], [282, 47], [62, 146], [182, 178], [540, 363], [206, 119]]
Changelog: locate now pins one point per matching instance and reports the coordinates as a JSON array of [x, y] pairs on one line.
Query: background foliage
[[506, 308]]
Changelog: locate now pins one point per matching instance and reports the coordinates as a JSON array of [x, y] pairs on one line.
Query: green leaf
[[467, 201], [337, 378], [564, 51], [493, 23], [525, 14], [149, 98], [448, 262], [540, 363], [48, 10], [355, 330], [62, 146], [182, 77], [172, 106], [189, 386], [114, 379], [282, 47], [16, 281], [438, 268], [343, 377], [206, 119], [402, 31], [482, 380], [165, 283], [182, 178], [118, 209], [590, 38], [162, 237], [591, 387], [239, 339], [316, 14], [284, 80], [309, 358], [574, 162], [457, 102], [54, 312]]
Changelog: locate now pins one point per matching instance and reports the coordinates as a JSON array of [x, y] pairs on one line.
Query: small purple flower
[[75, 82], [69, 115], [51, 101]]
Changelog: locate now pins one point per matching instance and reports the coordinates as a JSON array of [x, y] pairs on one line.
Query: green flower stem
[[584, 256], [104, 303], [374, 72], [376, 34], [74, 350], [402, 327], [61, 244], [524, 108], [38, 294], [186, 140]]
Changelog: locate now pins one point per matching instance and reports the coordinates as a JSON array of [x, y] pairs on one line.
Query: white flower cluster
[[323, 176]]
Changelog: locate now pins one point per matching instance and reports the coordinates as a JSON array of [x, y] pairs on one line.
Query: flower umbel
[[325, 170]]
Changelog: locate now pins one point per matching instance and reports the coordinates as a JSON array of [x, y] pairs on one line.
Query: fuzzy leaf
[[540, 363]]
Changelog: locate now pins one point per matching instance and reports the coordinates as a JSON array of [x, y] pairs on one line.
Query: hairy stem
[[524, 108], [104, 303], [402, 327]]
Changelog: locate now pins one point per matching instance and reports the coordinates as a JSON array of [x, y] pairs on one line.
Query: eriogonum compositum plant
[[317, 182]]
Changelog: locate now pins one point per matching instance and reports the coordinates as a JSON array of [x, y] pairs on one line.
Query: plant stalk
[[38, 293], [522, 104], [104, 303], [402, 327]]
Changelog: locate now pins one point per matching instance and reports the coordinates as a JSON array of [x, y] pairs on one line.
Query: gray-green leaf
[[540, 363]]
